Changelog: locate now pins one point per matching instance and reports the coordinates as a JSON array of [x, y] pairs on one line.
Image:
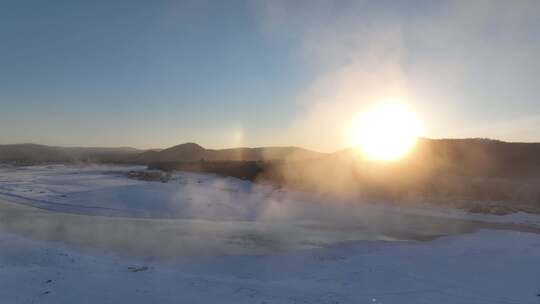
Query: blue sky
[[228, 73]]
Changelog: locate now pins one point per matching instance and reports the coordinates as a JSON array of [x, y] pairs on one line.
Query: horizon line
[[255, 147]]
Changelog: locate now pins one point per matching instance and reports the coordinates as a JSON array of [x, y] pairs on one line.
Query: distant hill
[[188, 152], [479, 157], [33, 153], [191, 152], [470, 157], [462, 157]]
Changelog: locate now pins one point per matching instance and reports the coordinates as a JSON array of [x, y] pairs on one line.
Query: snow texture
[[231, 241]]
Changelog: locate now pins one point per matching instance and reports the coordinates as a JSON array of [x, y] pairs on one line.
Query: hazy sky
[[152, 74]]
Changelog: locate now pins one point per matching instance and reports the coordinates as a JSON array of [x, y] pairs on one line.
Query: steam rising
[[359, 53], [210, 215], [441, 57]]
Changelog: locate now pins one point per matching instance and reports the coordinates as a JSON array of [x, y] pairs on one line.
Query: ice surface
[[106, 190], [208, 239]]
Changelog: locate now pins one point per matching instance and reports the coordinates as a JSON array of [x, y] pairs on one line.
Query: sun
[[386, 131]]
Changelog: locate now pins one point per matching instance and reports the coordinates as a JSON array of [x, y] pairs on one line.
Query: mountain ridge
[[190, 152], [463, 156]]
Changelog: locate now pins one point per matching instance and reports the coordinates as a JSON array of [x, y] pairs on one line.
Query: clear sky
[[152, 74]]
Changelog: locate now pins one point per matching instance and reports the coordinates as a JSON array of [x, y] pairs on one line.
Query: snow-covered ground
[[98, 237], [485, 267]]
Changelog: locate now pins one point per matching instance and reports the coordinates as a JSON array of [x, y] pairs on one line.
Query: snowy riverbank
[[483, 267], [99, 237]]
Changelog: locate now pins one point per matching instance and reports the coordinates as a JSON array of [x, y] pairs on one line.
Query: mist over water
[[274, 151], [197, 214]]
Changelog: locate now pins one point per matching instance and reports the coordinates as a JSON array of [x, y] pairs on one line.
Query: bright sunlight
[[385, 131]]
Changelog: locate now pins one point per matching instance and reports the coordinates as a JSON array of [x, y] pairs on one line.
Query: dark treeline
[[29, 154], [476, 174], [248, 170], [480, 157]]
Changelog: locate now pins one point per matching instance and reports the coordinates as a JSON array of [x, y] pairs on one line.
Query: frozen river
[[192, 213], [98, 237]]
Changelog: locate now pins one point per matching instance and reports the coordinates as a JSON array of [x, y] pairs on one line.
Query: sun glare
[[386, 131]]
